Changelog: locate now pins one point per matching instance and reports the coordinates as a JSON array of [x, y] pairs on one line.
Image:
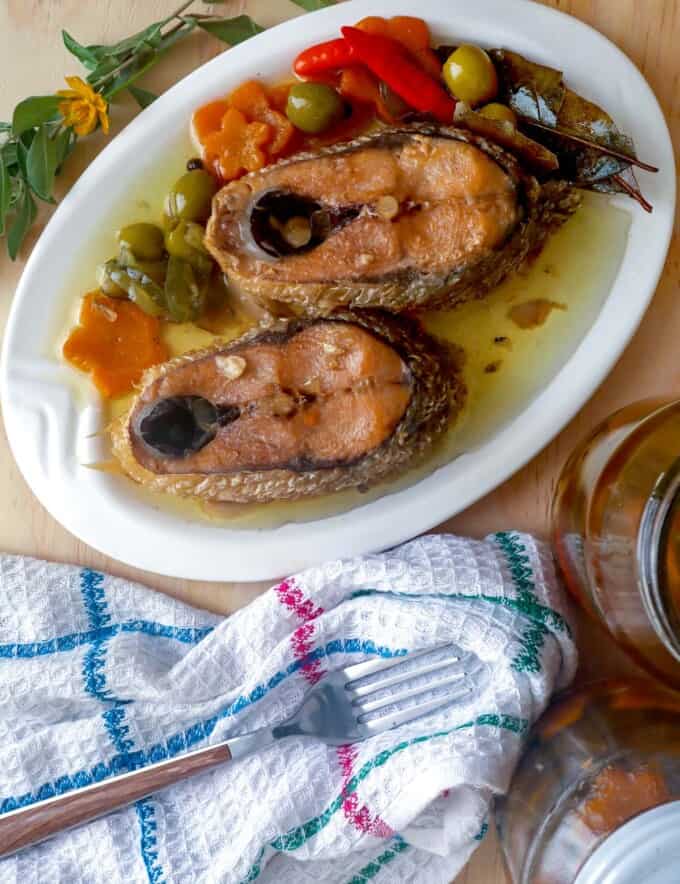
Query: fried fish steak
[[302, 408], [404, 219]]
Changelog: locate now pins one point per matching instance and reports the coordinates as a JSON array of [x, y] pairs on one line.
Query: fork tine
[[430, 666], [409, 687], [377, 723], [379, 671], [436, 679]]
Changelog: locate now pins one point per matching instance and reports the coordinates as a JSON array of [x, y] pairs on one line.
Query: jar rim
[[652, 540], [645, 848]]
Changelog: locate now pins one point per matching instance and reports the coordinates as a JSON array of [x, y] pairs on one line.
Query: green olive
[[470, 75], [313, 107], [498, 113], [145, 241], [190, 199], [185, 241]]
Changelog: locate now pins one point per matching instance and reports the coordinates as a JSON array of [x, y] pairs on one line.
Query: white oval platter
[[50, 428]]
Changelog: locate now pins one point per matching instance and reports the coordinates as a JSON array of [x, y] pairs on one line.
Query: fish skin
[[545, 206], [438, 396]]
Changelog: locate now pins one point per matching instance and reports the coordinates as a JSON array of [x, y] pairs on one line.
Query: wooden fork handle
[[37, 822]]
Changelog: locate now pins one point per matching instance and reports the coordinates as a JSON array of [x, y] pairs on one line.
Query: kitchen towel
[[99, 675]]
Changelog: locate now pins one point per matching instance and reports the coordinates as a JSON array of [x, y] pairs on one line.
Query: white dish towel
[[98, 675]]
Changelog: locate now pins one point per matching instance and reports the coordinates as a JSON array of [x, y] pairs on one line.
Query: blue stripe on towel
[[92, 588], [24, 650], [148, 840], [94, 676]]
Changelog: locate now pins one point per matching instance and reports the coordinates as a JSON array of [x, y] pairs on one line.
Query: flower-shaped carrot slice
[[115, 341], [238, 146], [208, 119], [252, 100]]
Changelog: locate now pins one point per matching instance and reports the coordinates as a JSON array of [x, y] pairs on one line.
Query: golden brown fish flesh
[[403, 219], [303, 408]]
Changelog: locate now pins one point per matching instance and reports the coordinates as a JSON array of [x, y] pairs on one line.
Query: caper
[[185, 291], [106, 281], [470, 75], [185, 241], [141, 296], [154, 269], [194, 163], [190, 199], [499, 113], [118, 280], [313, 107], [144, 240]]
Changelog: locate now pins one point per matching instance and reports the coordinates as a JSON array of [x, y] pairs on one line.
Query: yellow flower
[[82, 107]]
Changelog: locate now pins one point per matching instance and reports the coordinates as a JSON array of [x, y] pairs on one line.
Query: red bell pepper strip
[[324, 57], [388, 60]]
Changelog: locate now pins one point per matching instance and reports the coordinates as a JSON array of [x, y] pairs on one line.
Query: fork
[[347, 706]]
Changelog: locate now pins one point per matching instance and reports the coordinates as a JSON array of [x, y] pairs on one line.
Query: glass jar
[[616, 532], [585, 803]]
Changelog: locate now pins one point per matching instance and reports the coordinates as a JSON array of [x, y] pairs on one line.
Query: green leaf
[[5, 195], [34, 111], [94, 55], [16, 189], [89, 56], [103, 60], [21, 224], [103, 69], [134, 69], [311, 5], [532, 90], [142, 96], [23, 147], [64, 142], [41, 164], [230, 30], [175, 35], [9, 154], [138, 66], [150, 36]]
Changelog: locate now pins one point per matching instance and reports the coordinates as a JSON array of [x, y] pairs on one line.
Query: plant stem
[[178, 12], [634, 192], [594, 145], [135, 55]]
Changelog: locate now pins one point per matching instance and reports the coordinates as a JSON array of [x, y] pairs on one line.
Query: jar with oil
[[596, 797], [616, 532]]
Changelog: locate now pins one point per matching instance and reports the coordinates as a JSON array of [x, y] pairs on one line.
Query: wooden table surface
[[33, 61]]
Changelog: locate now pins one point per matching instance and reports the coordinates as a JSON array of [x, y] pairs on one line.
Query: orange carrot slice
[[115, 342]]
